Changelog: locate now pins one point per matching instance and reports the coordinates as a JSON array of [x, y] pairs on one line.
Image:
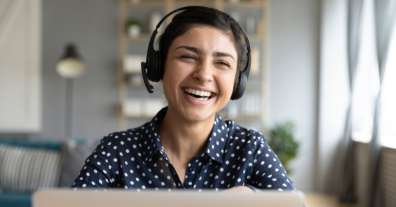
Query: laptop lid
[[123, 198]]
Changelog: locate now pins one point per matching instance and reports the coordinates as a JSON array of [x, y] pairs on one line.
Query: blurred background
[[321, 89]]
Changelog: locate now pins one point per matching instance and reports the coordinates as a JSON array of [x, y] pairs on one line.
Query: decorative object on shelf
[[132, 69], [133, 27], [132, 63], [70, 66], [283, 143]]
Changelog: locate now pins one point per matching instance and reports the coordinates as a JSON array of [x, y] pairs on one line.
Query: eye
[[223, 64], [189, 58]]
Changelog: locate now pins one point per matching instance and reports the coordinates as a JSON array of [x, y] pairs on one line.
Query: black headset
[[152, 68]]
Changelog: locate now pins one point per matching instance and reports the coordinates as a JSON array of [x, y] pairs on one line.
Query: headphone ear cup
[[240, 87], [154, 70], [159, 66]]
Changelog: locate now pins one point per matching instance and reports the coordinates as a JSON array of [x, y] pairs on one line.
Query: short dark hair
[[189, 18]]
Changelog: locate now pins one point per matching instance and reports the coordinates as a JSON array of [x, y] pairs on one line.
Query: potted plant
[[283, 143], [133, 27]]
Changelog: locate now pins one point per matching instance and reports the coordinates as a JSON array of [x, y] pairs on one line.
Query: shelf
[[244, 117], [250, 4], [132, 64], [146, 37], [254, 4], [146, 3], [140, 38], [141, 108], [181, 3]]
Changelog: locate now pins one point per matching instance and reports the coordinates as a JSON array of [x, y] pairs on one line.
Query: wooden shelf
[[145, 3], [141, 108], [253, 4], [146, 38], [247, 118], [140, 38]]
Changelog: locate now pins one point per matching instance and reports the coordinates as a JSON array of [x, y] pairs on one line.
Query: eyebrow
[[198, 51]]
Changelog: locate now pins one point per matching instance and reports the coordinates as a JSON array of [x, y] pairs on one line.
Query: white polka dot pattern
[[135, 159]]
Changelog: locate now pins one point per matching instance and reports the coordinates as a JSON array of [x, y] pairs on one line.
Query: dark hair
[[189, 18]]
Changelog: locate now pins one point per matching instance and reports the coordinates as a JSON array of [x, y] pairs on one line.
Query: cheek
[[227, 83], [174, 74]]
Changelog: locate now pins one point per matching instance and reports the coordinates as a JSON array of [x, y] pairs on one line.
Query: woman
[[203, 61]]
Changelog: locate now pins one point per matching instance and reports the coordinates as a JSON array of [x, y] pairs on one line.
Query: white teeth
[[203, 94], [204, 98]]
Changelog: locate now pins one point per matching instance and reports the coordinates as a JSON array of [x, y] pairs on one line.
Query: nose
[[203, 71]]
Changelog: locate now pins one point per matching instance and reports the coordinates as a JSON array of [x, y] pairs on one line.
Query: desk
[[323, 200]]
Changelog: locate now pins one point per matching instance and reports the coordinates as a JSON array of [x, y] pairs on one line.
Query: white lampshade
[[70, 68], [70, 65]]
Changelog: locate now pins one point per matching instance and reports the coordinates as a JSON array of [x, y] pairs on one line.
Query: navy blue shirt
[[136, 159]]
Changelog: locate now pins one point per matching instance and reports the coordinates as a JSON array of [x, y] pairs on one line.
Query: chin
[[198, 115]]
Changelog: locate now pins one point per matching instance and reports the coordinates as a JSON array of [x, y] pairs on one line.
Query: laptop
[[123, 198]]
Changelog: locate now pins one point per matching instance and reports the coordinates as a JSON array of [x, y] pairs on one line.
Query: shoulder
[[128, 137], [245, 137], [244, 134]]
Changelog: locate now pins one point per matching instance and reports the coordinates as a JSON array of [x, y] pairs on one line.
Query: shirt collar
[[217, 140], [214, 148], [156, 147]]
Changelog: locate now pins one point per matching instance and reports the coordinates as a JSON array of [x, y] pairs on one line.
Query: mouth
[[200, 94]]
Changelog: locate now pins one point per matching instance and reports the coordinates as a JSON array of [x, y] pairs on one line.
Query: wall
[[20, 66], [334, 93], [91, 24], [292, 77]]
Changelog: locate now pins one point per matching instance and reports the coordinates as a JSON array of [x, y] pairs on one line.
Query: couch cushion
[[29, 166], [15, 199], [32, 143], [74, 153]]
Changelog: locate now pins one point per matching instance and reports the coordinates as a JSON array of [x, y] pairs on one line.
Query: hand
[[240, 189]]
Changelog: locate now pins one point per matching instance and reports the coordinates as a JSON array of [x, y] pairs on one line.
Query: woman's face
[[199, 73]]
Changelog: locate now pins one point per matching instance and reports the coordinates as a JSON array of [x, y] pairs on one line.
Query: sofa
[[30, 164]]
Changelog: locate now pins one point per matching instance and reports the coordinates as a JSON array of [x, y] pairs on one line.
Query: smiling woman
[[203, 61], [197, 81]]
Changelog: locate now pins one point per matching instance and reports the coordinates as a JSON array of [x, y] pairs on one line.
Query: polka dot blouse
[[135, 159]]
